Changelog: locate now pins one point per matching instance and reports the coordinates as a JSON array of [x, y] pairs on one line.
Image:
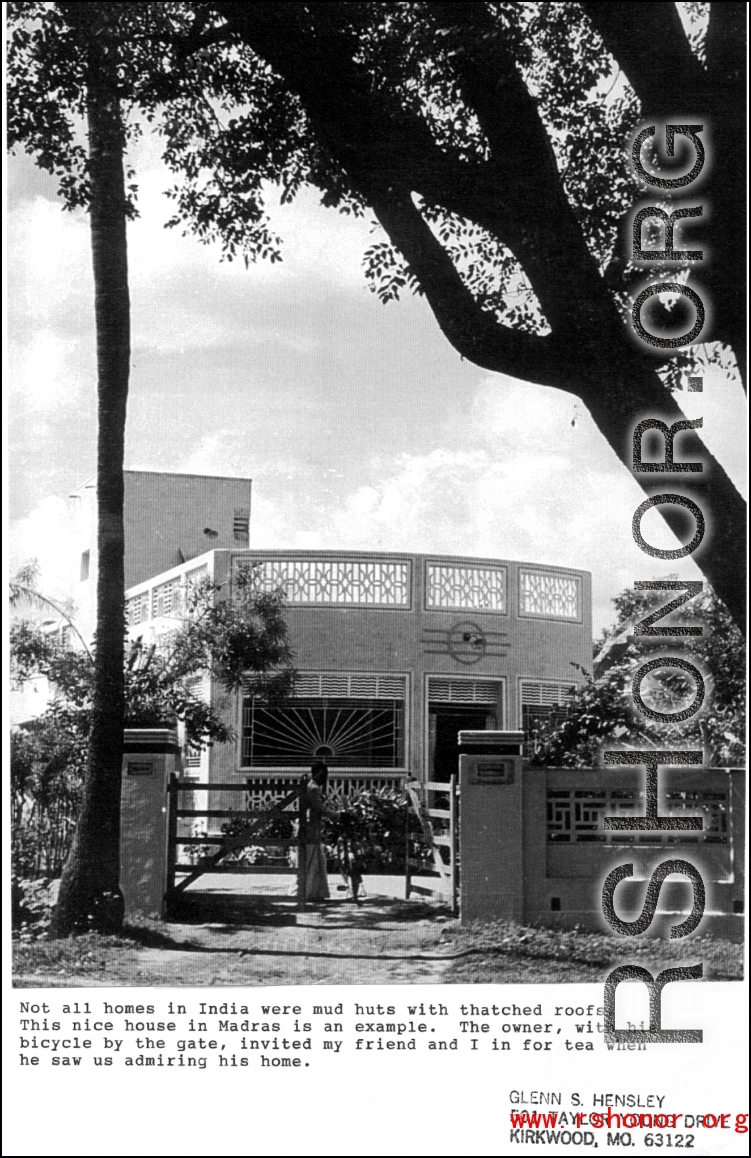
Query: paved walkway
[[284, 884]]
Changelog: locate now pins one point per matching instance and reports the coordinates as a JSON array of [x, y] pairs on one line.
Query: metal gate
[[183, 871], [437, 806]]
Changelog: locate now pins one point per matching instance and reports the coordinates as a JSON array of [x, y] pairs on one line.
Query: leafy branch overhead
[[491, 144]]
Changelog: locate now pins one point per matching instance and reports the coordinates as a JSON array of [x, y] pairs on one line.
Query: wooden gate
[[182, 873], [440, 831]]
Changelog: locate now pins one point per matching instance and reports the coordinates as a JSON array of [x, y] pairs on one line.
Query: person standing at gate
[[316, 878]]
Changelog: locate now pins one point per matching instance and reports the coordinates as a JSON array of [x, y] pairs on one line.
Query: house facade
[[396, 654]]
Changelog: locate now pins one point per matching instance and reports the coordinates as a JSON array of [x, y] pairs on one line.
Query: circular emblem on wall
[[467, 642]]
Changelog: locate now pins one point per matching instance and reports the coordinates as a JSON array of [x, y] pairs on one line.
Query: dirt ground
[[377, 942], [230, 937], [227, 935]]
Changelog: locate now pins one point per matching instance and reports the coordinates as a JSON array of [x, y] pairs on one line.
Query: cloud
[[47, 535]]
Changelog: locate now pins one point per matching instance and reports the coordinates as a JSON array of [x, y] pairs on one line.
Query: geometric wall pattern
[[548, 596], [461, 588], [343, 582], [575, 817]]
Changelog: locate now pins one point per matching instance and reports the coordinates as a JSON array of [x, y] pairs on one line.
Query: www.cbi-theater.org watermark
[[652, 760]]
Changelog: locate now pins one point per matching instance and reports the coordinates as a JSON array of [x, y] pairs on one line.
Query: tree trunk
[[90, 896]]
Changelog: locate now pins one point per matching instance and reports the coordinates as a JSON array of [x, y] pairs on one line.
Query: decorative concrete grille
[[711, 806], [137, 608], [343, 582], [544, 695], [548, 596], [575, 817], [196, 574], [197, 686], [444, 691], [349, 686], [166, 599], [541, 703], [265, 792], [456, 588]]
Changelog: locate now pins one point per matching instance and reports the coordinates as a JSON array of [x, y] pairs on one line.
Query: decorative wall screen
[[347, 719], [343, 582], [266, 791], [138, 608], [541, 701], [166, 599], [196, 575], [575, 817], [193, 758], [549, 596], [350, 685], [459, 588], [448, 691], [545, 694]]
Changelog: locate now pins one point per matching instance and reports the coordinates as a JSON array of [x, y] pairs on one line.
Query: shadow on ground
[[267, 941]]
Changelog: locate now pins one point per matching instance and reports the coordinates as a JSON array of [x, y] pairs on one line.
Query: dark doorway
[[446, 721]]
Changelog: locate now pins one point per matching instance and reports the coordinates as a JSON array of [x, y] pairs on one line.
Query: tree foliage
[[97, 68], [237, 642], [242, 642], [491, 143], [601, 714]]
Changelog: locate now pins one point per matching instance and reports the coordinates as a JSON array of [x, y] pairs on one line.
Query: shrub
[[372, 826], [31, 907], [278, 828]]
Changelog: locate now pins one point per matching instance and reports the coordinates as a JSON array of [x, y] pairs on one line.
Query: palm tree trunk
[[90, 896]]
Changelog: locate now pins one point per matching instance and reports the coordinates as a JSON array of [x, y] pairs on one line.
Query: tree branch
[[474, 333], [381, 145], [650, 45], [550, 241], [726, 55]]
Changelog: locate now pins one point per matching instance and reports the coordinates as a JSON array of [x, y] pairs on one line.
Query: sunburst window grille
[[345, 733]]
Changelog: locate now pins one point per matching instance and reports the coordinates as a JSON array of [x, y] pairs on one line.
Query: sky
[[359, 424]]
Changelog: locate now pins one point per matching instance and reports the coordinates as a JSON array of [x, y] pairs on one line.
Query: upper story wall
[[458, 614], [416, 614], [172, 518], [169, 519]]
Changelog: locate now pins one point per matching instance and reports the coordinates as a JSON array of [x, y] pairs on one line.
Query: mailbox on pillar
[[149, 756], [491, 848]]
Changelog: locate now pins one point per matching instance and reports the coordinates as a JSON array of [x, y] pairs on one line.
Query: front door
[[446, 722]]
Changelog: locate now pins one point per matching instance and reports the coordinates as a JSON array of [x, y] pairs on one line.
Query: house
[[396, 654]]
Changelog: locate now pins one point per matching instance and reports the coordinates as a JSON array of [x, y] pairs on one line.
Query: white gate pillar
[[149, 756], [491, 831]]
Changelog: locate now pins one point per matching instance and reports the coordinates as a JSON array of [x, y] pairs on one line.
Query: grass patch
[[378, 942], [88, 953], [502, 951]]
